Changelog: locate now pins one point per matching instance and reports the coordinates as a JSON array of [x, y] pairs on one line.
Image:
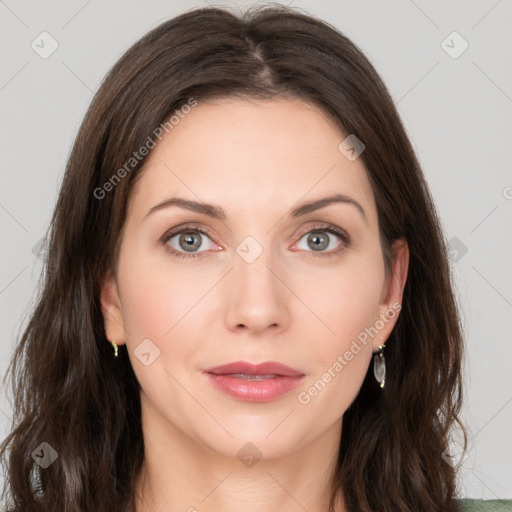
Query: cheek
[[145, 308], [339, 358], [162, 303], [344, 298], [152, 303]]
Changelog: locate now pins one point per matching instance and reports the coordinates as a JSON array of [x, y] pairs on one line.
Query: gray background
[[456, 110]]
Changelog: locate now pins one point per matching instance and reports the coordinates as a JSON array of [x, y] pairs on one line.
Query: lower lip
[[263, 390]]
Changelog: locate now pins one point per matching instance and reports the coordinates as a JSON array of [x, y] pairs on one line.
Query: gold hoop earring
[[115, 348]]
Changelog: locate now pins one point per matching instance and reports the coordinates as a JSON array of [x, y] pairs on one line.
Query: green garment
[[467, 505]]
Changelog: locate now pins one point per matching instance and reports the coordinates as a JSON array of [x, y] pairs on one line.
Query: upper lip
[[266, 368]]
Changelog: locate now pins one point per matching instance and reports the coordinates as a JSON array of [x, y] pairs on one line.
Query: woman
[[244, 221]]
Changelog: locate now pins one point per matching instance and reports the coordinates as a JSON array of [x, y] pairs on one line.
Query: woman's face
[[267, 282]]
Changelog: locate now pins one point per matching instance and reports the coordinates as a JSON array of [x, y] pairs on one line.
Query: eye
[[322, 240], [188, 242], [191, 242]]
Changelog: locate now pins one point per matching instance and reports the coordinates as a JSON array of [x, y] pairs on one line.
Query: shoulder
[[468, 505]]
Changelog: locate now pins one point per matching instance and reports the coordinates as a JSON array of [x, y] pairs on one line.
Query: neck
[[183, 474]]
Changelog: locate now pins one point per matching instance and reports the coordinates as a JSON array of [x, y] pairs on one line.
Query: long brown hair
[[69, 390]]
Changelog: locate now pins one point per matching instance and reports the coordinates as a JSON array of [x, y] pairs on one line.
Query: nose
[[256, 295]]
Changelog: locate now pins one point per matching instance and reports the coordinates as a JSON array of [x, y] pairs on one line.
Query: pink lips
[[254, 382]]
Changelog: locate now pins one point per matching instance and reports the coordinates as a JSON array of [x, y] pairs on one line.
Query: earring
[[115, 348], [379, 366]]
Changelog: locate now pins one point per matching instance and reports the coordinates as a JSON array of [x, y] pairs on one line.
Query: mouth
[[251, 377], [254, 382], [267, 369]]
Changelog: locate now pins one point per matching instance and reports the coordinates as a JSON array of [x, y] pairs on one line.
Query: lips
[[243, 369], [254, 382]]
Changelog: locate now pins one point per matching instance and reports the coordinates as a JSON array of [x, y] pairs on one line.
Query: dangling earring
[[115, 348], [379, 366]]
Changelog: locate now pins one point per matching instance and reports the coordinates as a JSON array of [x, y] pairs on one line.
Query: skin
[[257, 160]]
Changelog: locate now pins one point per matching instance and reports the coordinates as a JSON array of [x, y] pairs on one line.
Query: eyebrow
[[217, 212]]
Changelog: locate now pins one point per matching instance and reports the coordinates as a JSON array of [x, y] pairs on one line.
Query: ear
[[112, 311], [392, 292]]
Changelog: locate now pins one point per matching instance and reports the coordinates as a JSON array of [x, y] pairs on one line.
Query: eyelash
[[327, 228]]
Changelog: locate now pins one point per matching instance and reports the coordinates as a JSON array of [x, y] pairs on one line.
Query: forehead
[[245, 152]]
